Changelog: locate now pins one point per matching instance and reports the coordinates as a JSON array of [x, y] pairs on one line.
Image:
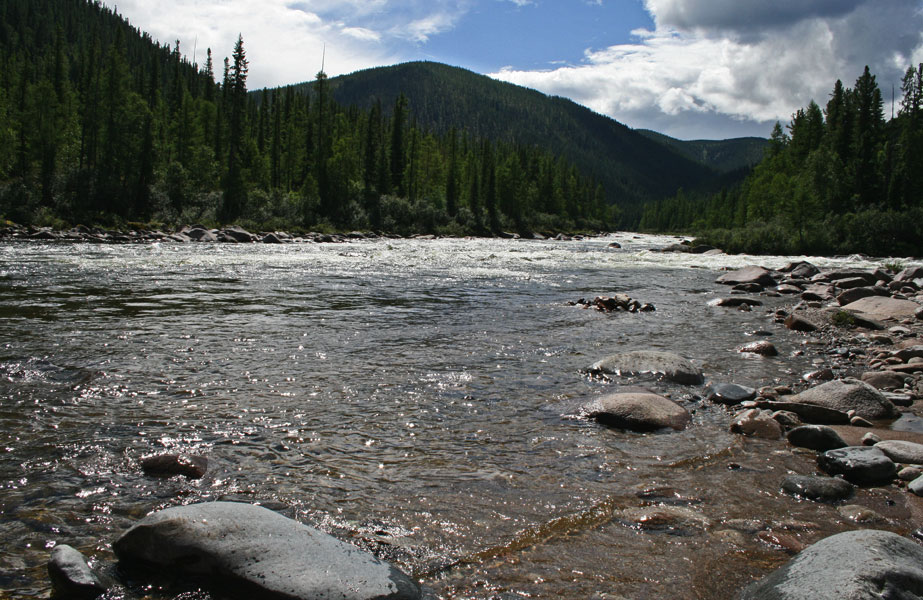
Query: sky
[[692, 69]]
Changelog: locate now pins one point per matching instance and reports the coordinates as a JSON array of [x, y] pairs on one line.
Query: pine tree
[[235, 193]]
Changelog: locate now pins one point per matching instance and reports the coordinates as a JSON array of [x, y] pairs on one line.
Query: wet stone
[[762, 348], [168, 465], [730, 393], [71, 576], [854, 565], [637, 412], [756, 423], [815, 437], [818, 489], [862, 465], [244, 546]]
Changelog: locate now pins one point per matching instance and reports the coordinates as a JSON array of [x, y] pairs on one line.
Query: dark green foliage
[[724, 156], [842, 182], [100, 124], [632, 167]]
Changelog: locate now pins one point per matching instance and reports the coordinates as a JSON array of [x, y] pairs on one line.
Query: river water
[[415, 397]]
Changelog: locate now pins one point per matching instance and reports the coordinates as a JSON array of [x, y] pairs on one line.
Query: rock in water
[[862, 465], [819, 489], [273, 557], [730, 393], [667, 365], [850, 394], [751, 274], [70, 575], [761, 347], [167, 465], [638, 412], [855, 565], [816, 437]]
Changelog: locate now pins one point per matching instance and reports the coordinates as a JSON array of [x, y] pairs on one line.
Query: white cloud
[[746, 63], [285, 39]]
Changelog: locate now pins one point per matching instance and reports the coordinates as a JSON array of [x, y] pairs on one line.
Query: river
[[415, 397]]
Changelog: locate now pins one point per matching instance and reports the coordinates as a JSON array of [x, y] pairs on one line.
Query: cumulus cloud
[[742, 63]]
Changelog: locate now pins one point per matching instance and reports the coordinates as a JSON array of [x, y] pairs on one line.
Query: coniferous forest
[[839, 179], [102, 125]]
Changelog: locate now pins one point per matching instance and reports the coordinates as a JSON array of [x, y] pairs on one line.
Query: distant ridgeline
[[100, 124], [842, 180]]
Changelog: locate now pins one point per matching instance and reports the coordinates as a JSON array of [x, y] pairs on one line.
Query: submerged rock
[[270, 556], [850, 394], [168, 465], [818, 489], [637, 412], [666, 365], [854, 565]]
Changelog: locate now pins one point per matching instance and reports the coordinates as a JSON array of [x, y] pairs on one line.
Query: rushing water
[[415, 397]]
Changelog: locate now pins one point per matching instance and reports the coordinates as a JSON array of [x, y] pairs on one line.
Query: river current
[[418, 398]]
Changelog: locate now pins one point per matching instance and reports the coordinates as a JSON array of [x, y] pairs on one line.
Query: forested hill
[[725, 156], [631, 167]]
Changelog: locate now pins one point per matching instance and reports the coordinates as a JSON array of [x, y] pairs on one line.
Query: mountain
[[633, 167], [724, 156]]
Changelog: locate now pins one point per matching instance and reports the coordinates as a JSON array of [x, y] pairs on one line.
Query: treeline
[[840, 180], [100, 124]]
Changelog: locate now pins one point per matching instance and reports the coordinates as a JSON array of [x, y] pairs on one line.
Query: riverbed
[[419, 398]]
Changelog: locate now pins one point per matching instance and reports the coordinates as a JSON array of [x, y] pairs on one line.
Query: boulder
[[251, 548], [762, 347], [815, 437], [199, 234], [751, 274], [271, 238], [849, 394], [239, 234], [665, 365], [848, 274], [71, 576], [883, 307], [730, 393], [854, 565], [902, 451], [905, 354], [756, 423], [803, 270], [819, 489], [862, 465], [637, 411]]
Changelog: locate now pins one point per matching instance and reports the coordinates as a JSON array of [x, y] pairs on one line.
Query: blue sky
[[692, 69]]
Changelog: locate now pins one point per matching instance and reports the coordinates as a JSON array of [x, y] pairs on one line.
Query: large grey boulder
[[854, 565], [253, 548], [751, 274], [666, 365], [637, 412], [849, 394]]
